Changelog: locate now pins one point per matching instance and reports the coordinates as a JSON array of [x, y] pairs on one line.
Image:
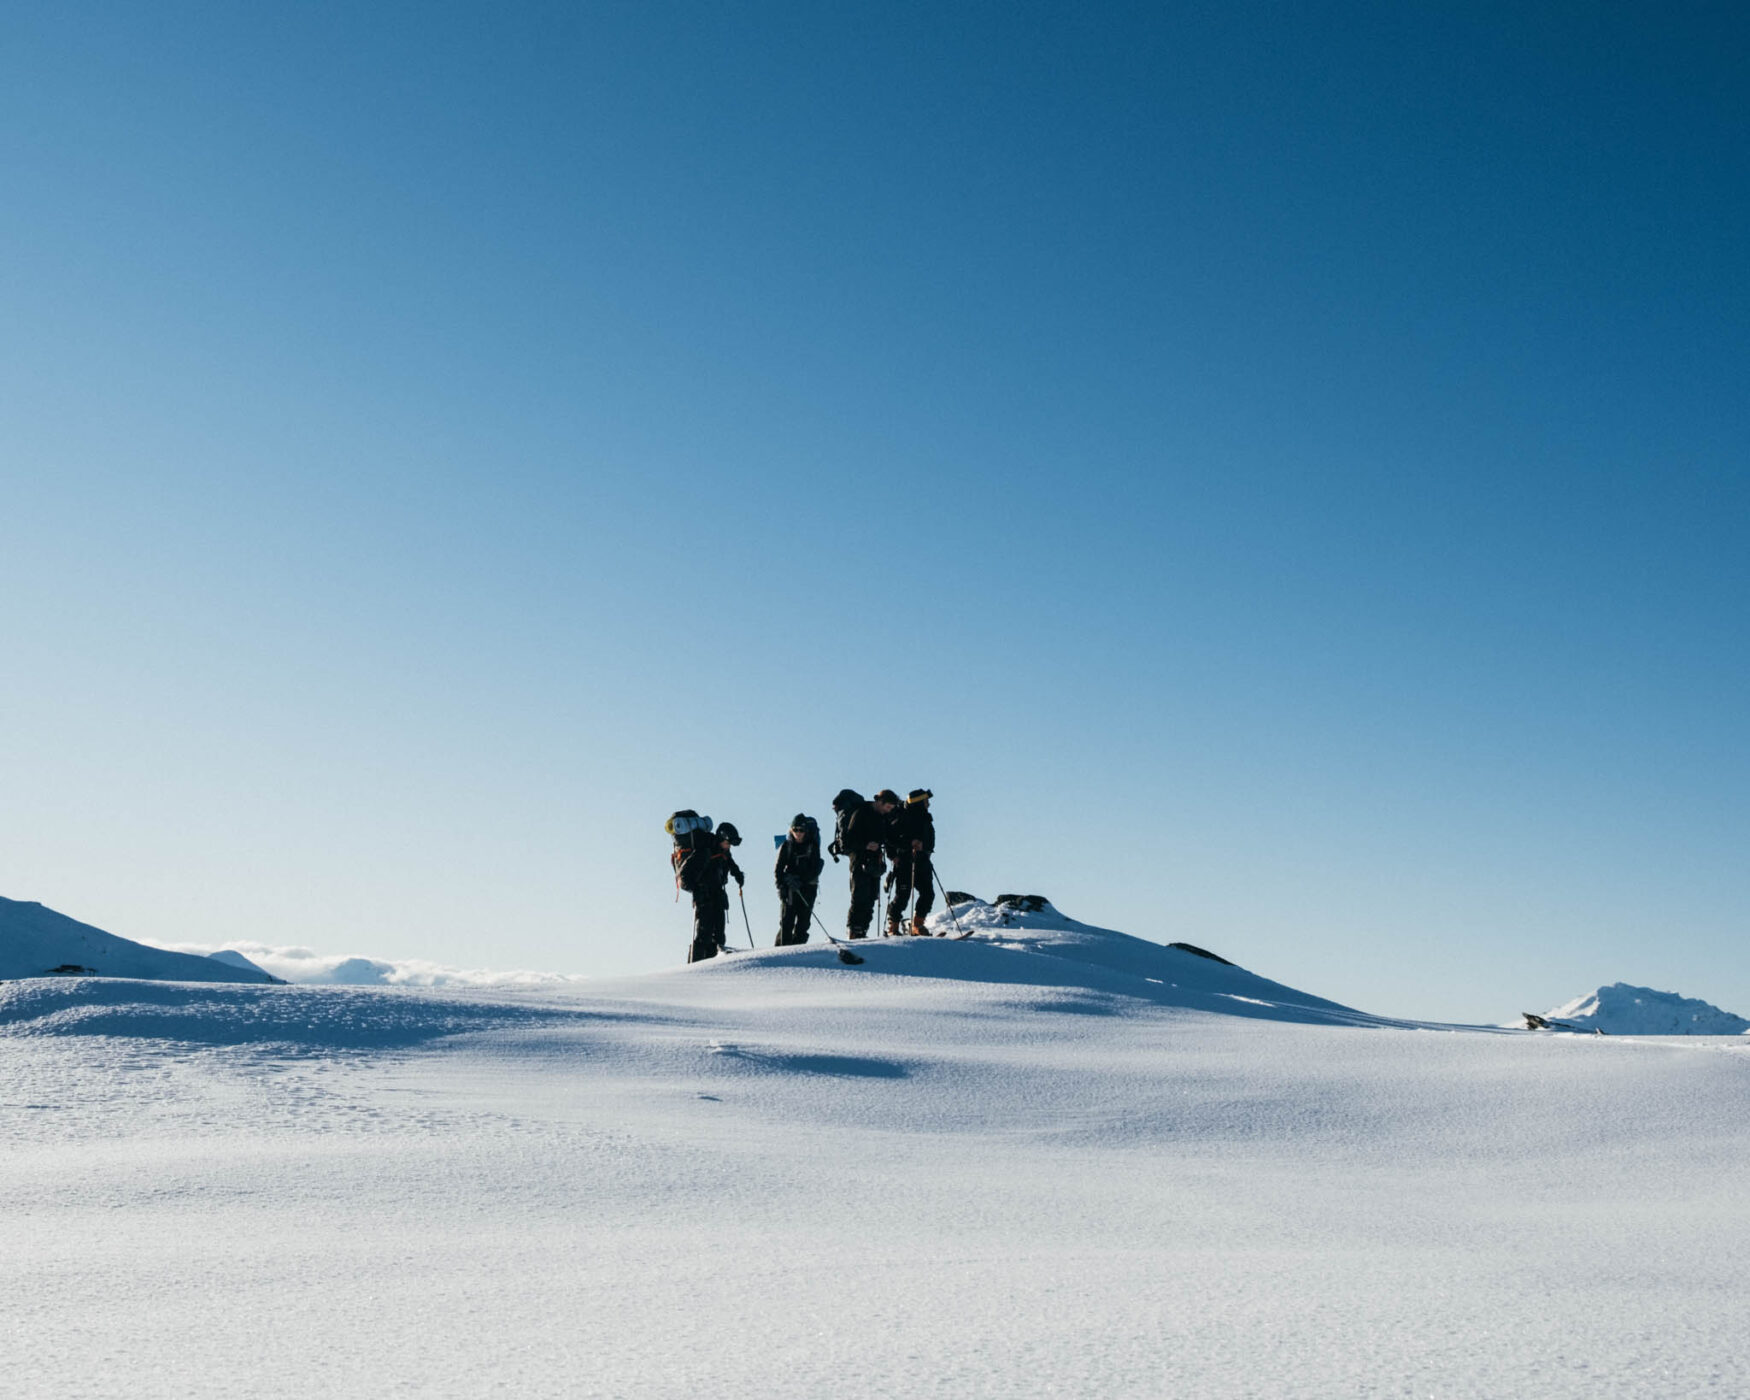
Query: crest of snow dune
[[35, 941], [1620, 1009], [1025, 939], [297, 1020]]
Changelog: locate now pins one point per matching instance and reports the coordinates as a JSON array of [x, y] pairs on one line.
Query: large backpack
[[686, 825], [692, 846], [844, 807]]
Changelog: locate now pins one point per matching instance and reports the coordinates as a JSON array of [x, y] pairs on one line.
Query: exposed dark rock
[[958, 897], [1202, 953], [71, 970], [1534, 1022], [1024, 903]]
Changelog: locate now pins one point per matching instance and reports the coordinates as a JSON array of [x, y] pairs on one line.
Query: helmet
[[727, 832]]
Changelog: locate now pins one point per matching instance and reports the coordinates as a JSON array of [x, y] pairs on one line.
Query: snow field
[[960, 1170]]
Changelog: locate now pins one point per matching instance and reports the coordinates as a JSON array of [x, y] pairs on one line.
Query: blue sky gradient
[[1277, 472]]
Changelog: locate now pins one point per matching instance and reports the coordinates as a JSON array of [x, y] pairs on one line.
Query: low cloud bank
[[311, 968]]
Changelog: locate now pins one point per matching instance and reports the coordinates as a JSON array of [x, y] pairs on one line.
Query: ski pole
[[741, 894], [946, 900], [845, 954]]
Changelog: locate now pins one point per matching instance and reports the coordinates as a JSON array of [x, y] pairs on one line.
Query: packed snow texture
[[35, 941], [1049, 1160], [1620, 1009]]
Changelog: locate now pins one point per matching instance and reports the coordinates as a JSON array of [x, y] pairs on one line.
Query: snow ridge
[[1621, 1009], [35, 941]]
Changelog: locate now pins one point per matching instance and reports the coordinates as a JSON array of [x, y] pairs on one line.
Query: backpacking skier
[[893, 840], [797, 873], [702, 867], [911, 845], [859, 831]]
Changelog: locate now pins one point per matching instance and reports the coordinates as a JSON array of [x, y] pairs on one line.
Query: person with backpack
[[911, 844], [702, 867], [887, 802], [859, 832], [798, 876]]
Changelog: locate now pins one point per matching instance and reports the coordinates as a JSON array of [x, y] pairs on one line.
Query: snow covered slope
[[1102, 961], [1620, 1009], [1049, 1161], [35, 940], [232, 958]]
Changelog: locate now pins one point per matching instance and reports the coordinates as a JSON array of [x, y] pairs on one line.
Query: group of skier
[[883, 836]]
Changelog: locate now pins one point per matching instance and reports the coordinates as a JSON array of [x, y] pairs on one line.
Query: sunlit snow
[[1066, 1163]]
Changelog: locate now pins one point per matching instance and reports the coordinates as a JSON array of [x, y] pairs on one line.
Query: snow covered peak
[[232, 958], [1026, 911], [35, 941], [1620, 1009]]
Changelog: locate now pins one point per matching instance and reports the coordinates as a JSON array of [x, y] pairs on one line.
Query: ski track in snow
[[1075, 1164]]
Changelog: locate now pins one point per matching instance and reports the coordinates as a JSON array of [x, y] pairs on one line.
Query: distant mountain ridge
[[1621, 1009], [36, 941]]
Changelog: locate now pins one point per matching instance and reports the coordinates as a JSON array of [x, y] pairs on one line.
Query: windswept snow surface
[[1620, 1009], [1045, 1161]]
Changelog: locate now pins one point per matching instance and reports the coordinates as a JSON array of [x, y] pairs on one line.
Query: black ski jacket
[[799, 861], [707, 869], [864, 826], [894, 838], [915, 824]]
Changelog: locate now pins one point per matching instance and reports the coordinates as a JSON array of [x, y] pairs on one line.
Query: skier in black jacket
[[894, 841], [703, 869], [911, 845], [798, 876], [862, 831]]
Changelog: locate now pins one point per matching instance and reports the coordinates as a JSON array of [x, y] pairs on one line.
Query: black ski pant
[[865, 894], [793, 922], [912, 872], [709, 909]]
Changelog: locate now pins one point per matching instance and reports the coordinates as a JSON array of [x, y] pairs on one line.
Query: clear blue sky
[[1278, 472]]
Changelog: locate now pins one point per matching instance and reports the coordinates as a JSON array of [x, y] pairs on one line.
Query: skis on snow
[[846, 956]]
